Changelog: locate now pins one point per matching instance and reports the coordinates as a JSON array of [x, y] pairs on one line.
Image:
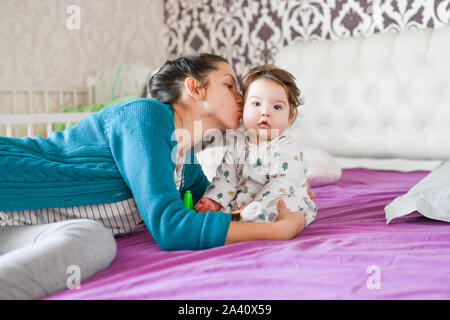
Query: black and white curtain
[[250, 32]]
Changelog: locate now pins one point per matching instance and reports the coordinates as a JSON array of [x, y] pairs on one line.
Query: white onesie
[[259, 175]]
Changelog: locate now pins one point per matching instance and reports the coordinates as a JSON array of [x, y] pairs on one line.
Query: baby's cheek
[[249, 118]]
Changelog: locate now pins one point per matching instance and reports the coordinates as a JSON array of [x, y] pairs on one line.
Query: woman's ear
[[194, 88]]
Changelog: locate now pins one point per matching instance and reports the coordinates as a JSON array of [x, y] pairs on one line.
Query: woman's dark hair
[[165, 85]]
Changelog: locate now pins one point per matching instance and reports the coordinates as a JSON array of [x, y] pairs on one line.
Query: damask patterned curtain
[[250, 32]]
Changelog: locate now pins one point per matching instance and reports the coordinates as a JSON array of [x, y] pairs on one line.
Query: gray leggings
[[39, 260]]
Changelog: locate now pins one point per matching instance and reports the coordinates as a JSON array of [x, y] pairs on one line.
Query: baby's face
[[266, 110]]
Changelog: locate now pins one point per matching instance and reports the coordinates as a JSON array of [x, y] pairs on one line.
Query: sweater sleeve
[[140, 135]]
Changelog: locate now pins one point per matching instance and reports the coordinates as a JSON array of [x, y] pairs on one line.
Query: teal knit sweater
[[123, 151]]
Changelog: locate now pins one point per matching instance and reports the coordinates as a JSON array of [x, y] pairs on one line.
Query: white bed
[[381, 101]]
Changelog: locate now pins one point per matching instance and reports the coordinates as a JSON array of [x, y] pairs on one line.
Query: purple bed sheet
[[348, 252]]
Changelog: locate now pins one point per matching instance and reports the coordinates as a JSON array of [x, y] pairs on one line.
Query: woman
[[124, 151]]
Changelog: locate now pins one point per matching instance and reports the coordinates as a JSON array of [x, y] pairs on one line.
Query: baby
[[262, 165]]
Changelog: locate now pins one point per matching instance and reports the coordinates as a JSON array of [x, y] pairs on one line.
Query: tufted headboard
[[383, 96]]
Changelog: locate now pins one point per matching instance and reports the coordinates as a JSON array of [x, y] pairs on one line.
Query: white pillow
[[121, 81], [430, 196], [323, 168], [210, 158]]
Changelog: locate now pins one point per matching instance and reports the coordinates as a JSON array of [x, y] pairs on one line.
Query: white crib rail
[[9, 120], [30, 91], [36, 105]]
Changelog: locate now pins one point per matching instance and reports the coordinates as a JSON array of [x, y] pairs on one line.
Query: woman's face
[[223, 99]]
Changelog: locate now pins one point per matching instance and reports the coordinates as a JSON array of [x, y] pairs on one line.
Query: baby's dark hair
[[165, 85], [284, 78]]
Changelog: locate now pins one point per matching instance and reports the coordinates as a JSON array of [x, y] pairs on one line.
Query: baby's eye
[[277, 107], [230, 86], [256, 104]]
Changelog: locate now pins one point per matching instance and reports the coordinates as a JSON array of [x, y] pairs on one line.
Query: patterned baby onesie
[[260, 175]]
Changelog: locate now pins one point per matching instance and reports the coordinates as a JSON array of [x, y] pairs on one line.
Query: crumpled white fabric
[[4, 219], [253, 210], [430, 196]]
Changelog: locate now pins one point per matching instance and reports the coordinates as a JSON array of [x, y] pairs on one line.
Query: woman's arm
[[139, 134], [287, 226]]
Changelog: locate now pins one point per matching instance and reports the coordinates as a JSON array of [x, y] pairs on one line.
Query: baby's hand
[[236, 215], [310, 193], [206, 204]]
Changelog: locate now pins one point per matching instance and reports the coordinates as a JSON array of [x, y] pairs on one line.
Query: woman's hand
[[289, 223], [206, 204]]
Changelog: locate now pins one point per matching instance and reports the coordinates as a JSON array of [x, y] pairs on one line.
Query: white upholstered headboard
[[383, 96]]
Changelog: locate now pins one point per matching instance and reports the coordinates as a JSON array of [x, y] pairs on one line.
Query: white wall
[[37, 48]]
